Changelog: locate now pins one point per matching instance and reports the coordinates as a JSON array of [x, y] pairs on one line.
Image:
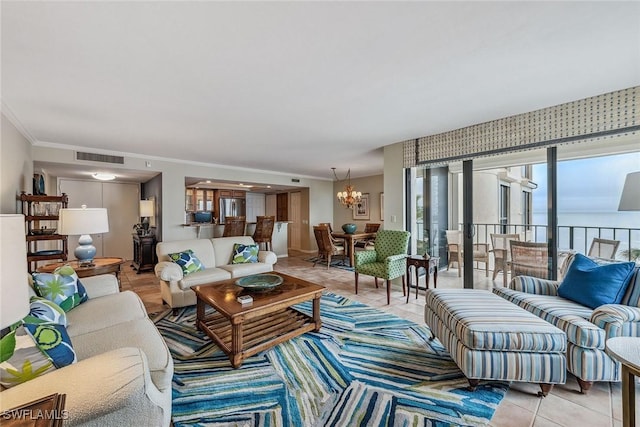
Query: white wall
[[173, 179], [394, 188], [373, 185], [16, 171]]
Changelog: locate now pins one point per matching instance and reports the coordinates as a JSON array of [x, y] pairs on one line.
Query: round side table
[[626, 350], [101, 265]]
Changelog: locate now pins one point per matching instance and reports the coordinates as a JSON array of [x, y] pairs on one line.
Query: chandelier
[[349, 197]]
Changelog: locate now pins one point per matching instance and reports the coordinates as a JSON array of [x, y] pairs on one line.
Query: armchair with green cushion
[[387, 261]]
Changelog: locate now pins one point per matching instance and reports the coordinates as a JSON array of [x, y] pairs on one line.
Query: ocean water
[[623, 226]]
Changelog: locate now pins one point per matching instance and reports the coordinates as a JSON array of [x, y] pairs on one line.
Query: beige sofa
[[215, 254], [124, 369]]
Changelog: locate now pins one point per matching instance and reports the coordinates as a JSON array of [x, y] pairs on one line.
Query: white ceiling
[[299, 87]]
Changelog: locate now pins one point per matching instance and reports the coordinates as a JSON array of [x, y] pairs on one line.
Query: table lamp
[[83, 222], [14, 290], [146, 211], [630, 198]]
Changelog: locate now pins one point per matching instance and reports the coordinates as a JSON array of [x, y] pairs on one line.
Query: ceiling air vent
[[99, 158]]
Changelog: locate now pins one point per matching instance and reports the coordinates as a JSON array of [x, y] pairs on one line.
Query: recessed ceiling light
[[104, 176]]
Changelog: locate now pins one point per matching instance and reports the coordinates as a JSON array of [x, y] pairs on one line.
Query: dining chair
[[387, 260], [368, 243], [327, 248], [501, 253], [234, 226], [603, 248], [264, 231], [455, 252], [529, 259], [336, 240]]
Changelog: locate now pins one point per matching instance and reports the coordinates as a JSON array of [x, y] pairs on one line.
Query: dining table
[[350, 240]]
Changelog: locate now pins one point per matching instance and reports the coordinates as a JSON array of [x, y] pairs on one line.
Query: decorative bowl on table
[[43, 231], [349, 228], [260, 282]]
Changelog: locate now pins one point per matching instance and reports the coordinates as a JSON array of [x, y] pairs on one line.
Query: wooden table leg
[[408, 274], [236, 344], [628, 398], [351, 251], [435, 276], [199, 314], [316, 312]]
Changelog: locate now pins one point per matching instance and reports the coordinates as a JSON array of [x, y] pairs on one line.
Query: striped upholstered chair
[[587, 329], [387, 261]]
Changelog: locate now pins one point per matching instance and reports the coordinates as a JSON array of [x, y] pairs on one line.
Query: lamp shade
[[73, 221], [146, 208], [14, 291], [630, 198]]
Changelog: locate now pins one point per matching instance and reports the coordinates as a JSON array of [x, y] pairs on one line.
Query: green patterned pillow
[[52, 339], [188, 261], [33, 350], [62, 287], [41, 310], [243, 254]]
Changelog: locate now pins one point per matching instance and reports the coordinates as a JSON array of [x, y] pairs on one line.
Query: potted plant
[[139, 229]]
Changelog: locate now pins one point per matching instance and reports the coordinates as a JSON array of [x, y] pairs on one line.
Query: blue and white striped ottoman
[[490, 338]]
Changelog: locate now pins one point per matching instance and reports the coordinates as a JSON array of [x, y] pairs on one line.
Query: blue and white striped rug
[[364, 368]]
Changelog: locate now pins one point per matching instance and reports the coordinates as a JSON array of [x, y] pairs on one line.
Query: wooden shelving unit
[[43, 208]]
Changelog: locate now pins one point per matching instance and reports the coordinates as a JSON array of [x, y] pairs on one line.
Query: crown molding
[[8, 113]]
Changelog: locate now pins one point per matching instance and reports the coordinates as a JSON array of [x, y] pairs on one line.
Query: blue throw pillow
[[188, 261], [243, 254], [52, 339], [592, 284]]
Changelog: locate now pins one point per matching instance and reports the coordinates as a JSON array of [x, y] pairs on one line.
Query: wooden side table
[[626, 350], [431, 267], [44, 412], [144, 253], [101, 265]]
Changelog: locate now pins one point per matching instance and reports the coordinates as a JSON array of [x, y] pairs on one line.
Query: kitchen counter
[[279, 238]]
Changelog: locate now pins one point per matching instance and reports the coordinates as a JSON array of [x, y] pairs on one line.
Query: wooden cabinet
[[282, 207], [41, 216], [199, 199], [232, 193], [144, 253]]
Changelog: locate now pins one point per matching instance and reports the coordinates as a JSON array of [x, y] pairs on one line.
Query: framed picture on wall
[[361, 210], [381, 206]]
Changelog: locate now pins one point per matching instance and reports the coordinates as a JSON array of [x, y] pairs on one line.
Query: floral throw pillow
[[188, 261], [31, 350], [243, 254], [21, 359], [62, 287], [41, 310]]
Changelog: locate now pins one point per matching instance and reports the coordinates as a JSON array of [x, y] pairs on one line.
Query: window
[[527, 214], [503, 203]]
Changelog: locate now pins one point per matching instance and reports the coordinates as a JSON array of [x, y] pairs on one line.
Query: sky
[[589, 191]]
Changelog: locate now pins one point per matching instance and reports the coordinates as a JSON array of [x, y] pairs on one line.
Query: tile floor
[[564, 406]]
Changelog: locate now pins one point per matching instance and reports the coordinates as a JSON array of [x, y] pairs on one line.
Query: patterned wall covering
[[602, 116]]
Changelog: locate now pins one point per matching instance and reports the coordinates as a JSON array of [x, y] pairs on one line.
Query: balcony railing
[[570, 237]]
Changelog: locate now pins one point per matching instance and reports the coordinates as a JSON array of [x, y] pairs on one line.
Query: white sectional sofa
[[215, 254], [124, 369]]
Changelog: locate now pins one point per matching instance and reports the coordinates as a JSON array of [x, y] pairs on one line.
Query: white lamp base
[[86, 251]]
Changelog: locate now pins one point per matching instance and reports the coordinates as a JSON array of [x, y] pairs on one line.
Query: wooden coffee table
[[244, 330]]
